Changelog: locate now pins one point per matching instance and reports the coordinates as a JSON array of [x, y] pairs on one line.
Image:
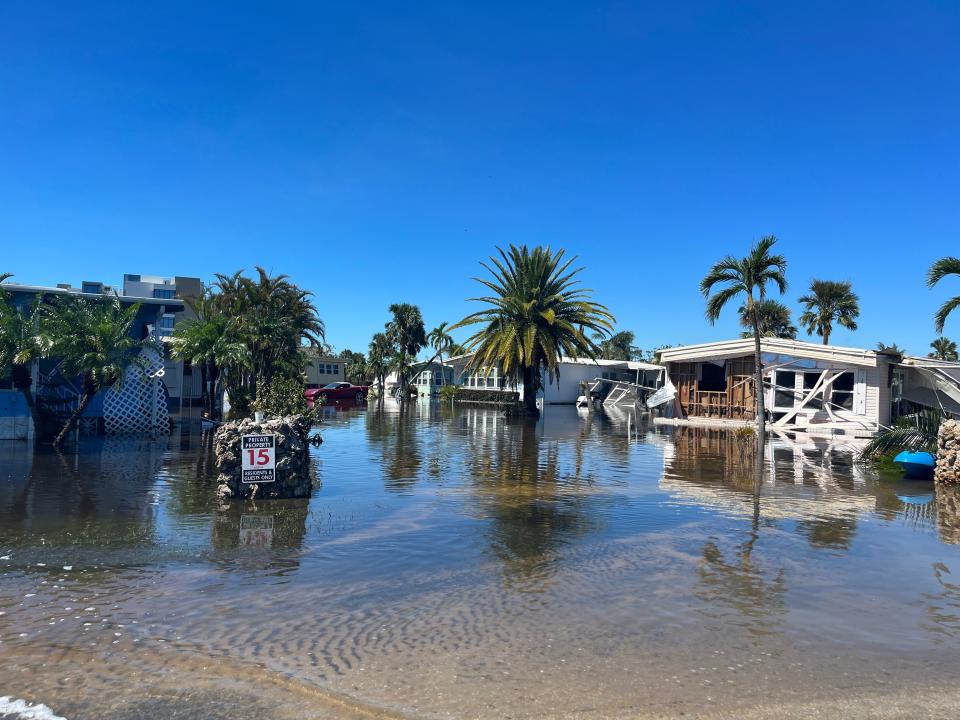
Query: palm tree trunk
[[758, 372], [204, 390], [89, 390], [826, 336], [530, 390], [23, 382], [212, 400]]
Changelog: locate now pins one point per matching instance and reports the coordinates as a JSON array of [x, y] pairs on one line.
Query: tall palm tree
[[944, 349], [747, 276], [537, 314], [93, 340], [407, 334], [939, 270], [378, 360], [774, 320], [441, 341], [829, 301]]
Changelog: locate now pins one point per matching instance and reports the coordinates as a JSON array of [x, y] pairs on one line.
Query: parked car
[[336, 391]]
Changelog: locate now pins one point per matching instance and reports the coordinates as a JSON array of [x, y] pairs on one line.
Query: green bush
[[282, 396], [449, 392]]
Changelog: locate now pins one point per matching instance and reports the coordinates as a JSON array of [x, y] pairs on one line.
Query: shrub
[[449, 392], [282, 396]]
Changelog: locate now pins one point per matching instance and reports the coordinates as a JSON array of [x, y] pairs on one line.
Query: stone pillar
[[294, 471], [948, 453]]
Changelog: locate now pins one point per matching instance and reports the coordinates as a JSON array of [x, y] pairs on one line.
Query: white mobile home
[[566, 388], [807, 386]]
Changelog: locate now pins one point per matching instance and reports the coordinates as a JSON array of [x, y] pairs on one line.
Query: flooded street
[[457, 564]]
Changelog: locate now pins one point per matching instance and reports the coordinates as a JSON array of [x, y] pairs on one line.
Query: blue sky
[[376, 152]]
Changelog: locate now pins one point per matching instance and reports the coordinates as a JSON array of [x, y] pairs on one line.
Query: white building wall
[[568, 390]]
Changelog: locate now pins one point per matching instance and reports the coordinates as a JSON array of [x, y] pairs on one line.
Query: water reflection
[[947, 510], [101, 493], [265, 534], [450, 548], [394, 430], [742, 587], [532, 509]]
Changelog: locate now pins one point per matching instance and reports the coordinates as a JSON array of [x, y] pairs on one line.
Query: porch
[[720, 390]]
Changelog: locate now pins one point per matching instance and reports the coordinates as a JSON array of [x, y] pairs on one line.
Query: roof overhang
[[174, 304], [769, 346]]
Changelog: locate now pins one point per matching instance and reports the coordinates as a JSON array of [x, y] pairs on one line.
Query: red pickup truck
[[336, 391]]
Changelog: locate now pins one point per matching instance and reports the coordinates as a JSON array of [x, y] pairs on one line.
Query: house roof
[[599, 362], [775, 346], [175, 304], [619, 364]]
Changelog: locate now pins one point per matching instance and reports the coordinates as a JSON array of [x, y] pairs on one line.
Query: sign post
[[258, 458]]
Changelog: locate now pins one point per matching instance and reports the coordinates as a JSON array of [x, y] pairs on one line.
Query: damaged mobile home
[[809, 387]]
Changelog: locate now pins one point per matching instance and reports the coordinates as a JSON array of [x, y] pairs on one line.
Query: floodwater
[[457, 564]]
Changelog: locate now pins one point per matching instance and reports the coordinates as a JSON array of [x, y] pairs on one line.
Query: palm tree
[[892, 349], [747, 276], [378, 360], [943, 349], [207, 343], [274, 319], [21, 342], [774, 320], [441, 341], [456, 349], [354, 366], [93, 342], [939, 270], [829, 301], [537, 314], [407, 335], [619, 346]]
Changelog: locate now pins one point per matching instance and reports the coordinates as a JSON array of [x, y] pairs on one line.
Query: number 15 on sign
[[258, 460]]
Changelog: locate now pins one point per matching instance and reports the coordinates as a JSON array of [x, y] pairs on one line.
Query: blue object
[[916, 465]]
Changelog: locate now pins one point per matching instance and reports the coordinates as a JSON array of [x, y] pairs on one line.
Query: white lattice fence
[[138, 404]]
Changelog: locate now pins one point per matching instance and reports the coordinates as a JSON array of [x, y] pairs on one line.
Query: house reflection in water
[[812, 481]]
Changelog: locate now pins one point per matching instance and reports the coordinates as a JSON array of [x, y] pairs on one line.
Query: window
[[132, 278], [841, 394], [164, 294], [809, 382], [166, 322], [784, 391], [336, 369], [94, 288]]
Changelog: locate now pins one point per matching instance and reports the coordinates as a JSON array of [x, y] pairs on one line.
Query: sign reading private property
[[259, 459]]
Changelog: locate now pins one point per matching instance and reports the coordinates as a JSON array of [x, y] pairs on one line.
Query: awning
[[936, 389]]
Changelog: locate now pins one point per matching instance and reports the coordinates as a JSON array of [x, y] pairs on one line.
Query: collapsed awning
[[936, 389]]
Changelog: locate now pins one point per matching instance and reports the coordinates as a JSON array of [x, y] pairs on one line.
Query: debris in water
[[26, 711]]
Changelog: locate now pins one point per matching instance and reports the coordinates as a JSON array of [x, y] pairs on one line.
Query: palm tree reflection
[[533, 510], [396, 431], [743, 586]]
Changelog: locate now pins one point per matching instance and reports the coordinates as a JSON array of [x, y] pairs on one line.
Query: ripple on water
[[465, 564]]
